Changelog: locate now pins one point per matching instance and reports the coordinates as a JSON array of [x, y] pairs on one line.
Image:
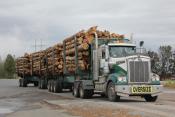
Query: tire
[[23, 82], [71, 89], [84, 94], [76, 92], [35, 84], [57, 87], [103, 95], [49, 85], [39, 84], [112, 96], [150, 98], [42, 84], [54, 86], [90, 93], [19, 83]]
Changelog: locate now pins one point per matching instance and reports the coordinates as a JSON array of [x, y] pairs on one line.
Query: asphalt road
[[26, 102]]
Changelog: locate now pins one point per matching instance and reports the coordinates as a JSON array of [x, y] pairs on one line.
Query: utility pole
[[39, 45]]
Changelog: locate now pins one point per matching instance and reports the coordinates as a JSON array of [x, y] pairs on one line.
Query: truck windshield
[[121, 51]]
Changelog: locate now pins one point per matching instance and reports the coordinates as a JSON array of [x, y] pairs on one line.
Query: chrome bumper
[[125, 90]]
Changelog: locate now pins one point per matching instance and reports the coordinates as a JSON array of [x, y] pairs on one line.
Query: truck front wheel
[[150, 98], [112, 96]]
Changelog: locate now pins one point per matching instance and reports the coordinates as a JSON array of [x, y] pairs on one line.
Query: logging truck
[[109, 66], [117, 70]]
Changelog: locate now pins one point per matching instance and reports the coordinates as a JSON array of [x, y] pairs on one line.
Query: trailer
[[24, 71], [52, 77]]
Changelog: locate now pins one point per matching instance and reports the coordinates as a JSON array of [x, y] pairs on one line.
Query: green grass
[[170, 83]]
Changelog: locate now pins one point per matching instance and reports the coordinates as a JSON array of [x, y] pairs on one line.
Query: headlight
[[155, 77], [122, 79]]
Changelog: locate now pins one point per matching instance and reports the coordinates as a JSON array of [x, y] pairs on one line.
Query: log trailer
[[114, 69], [25, 71]]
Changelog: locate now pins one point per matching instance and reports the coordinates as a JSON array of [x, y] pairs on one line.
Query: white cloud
[[22, 21]]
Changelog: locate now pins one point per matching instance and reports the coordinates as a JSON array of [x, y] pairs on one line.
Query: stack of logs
[[51, 59], [35, 59], [55, 59], [82, 40], [23, 65]]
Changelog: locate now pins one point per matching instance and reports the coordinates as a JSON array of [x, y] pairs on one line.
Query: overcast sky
[[24, 21]]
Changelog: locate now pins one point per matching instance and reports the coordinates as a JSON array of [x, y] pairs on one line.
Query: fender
[[117, 71]]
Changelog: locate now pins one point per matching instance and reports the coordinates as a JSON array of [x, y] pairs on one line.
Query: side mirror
[[141, 43]]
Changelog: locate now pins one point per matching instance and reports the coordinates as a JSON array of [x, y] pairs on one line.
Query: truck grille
[[139, 71]]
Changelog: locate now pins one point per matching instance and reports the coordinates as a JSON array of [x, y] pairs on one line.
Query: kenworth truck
[[117, 70]]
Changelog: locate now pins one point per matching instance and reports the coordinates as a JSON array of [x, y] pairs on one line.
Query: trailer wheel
[[20, 83], [82, 92], [150, 98], [35, 84], [39, 84], [57, 86], [24, 83], [90, 93], [112, 96], [42, 84], [103, 95], [49, 85], [76, 92]]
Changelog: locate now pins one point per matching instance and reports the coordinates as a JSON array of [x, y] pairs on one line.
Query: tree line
[[163, 62], [7, 67]]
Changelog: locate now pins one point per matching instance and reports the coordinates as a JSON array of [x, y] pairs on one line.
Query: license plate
[[141, 89]]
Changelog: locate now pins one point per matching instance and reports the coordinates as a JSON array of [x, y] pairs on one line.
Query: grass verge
[[169, 83]]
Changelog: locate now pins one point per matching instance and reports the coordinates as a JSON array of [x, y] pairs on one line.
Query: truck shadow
[[122, 99]]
